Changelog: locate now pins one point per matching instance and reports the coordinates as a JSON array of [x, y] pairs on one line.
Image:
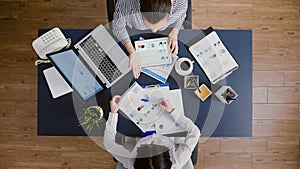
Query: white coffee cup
[[184, 66]]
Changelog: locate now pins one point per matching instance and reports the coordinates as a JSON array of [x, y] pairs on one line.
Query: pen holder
[[191, 82], [226, 94]]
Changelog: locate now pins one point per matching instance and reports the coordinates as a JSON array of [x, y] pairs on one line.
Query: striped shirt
[[127, 14]]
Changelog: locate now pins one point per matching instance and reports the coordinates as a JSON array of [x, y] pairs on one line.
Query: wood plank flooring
[[276, 84]]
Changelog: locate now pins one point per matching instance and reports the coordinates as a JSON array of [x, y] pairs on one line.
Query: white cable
[[69, 43], [39, 61]]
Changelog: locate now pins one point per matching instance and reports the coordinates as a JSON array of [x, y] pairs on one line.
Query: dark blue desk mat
[[57, 117]]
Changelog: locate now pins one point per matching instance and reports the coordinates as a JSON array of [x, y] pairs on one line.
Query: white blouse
[[179, 156]]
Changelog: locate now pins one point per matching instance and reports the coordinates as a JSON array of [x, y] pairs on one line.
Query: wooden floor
[[276, 84]]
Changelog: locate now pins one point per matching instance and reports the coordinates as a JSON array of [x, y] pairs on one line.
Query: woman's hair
[[152, 157], [155, 10]]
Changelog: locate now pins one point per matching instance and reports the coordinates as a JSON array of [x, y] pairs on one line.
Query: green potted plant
[[91, 117]]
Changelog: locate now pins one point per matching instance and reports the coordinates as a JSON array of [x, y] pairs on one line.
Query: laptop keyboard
[[100, 59]]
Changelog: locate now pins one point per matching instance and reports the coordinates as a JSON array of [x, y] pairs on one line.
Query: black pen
[[231, 99], [196, 85]]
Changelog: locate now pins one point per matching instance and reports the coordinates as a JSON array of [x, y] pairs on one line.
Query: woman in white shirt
[[154, 151]]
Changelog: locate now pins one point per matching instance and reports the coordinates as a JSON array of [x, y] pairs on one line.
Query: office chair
[[187, 24], [110, 7]]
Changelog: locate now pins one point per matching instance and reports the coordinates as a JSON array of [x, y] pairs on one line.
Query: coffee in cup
[[184, 66]]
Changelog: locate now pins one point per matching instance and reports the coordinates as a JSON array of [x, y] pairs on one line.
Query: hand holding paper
[[114, 104], [166, 105], [173, 42], [134, 64]]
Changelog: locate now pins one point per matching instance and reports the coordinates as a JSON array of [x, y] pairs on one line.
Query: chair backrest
[[110, 7], [187, 24]]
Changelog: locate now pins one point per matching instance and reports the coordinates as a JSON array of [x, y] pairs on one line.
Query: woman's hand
[[114, 104], [166, 105], [173, 41], [134, 64], [134, 60]]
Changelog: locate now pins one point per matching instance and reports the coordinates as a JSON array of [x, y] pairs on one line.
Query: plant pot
[[91, 117]]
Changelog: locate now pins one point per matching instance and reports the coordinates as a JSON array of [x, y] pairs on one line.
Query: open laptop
[[97, 54], [70, 68], [103, 55]]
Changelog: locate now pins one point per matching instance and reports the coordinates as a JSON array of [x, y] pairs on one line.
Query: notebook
[[57, 84]]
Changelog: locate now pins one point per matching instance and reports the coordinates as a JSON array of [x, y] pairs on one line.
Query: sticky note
[[204, 92]]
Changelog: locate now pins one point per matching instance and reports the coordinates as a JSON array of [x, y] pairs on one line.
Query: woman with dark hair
[[154, 15], [154, 151], [152, 156]]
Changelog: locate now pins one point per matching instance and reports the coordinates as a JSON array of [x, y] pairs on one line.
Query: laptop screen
[[76, 73]]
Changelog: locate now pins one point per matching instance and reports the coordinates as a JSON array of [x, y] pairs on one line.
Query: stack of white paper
[[141, 106]]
